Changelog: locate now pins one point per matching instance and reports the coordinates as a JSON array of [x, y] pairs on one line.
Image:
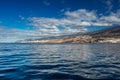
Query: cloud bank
[[73, 22]]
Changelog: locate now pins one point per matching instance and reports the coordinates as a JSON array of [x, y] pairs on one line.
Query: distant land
[[106, 35]]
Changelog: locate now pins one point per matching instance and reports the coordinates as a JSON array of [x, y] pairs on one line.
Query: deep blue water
[[59, 61]]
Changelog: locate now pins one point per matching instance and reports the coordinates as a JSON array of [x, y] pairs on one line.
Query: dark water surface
[[59, 61]]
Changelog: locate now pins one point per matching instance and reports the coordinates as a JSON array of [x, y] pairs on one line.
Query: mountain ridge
[[105, 35]]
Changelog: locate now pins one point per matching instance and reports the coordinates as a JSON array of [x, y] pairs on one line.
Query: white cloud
[[101, 24], [74, 21], [54, 27], [113, 18], [81, 14]]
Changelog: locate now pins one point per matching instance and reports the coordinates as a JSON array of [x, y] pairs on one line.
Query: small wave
[[5, 50], [64, 76], [101, 66], [6, 70], [44, 66]]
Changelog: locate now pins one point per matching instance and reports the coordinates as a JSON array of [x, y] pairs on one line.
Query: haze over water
[[59, 61]]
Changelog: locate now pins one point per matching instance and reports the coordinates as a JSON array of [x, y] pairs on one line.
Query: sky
[[35, 19]]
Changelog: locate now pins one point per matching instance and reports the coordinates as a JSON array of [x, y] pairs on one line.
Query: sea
[[34, 61]]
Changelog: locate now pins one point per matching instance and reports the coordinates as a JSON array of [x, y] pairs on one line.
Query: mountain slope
[[110, 32], [106, 35]]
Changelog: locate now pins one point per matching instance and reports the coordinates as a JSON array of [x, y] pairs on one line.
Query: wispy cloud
[[21, 17], [109, 4], [81, 14], [113, 18], [46, 3]]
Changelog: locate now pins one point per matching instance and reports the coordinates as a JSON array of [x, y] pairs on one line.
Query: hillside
[[106, 35]]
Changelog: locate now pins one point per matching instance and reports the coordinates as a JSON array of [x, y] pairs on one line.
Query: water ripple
[[59, 61]]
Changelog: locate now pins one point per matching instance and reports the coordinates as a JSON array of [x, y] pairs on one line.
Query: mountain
[[106, 35]]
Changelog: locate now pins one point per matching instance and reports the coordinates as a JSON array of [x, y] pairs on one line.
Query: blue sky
[[31, 19]]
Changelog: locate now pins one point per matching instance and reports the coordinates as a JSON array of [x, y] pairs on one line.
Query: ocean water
[[59, 61]]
